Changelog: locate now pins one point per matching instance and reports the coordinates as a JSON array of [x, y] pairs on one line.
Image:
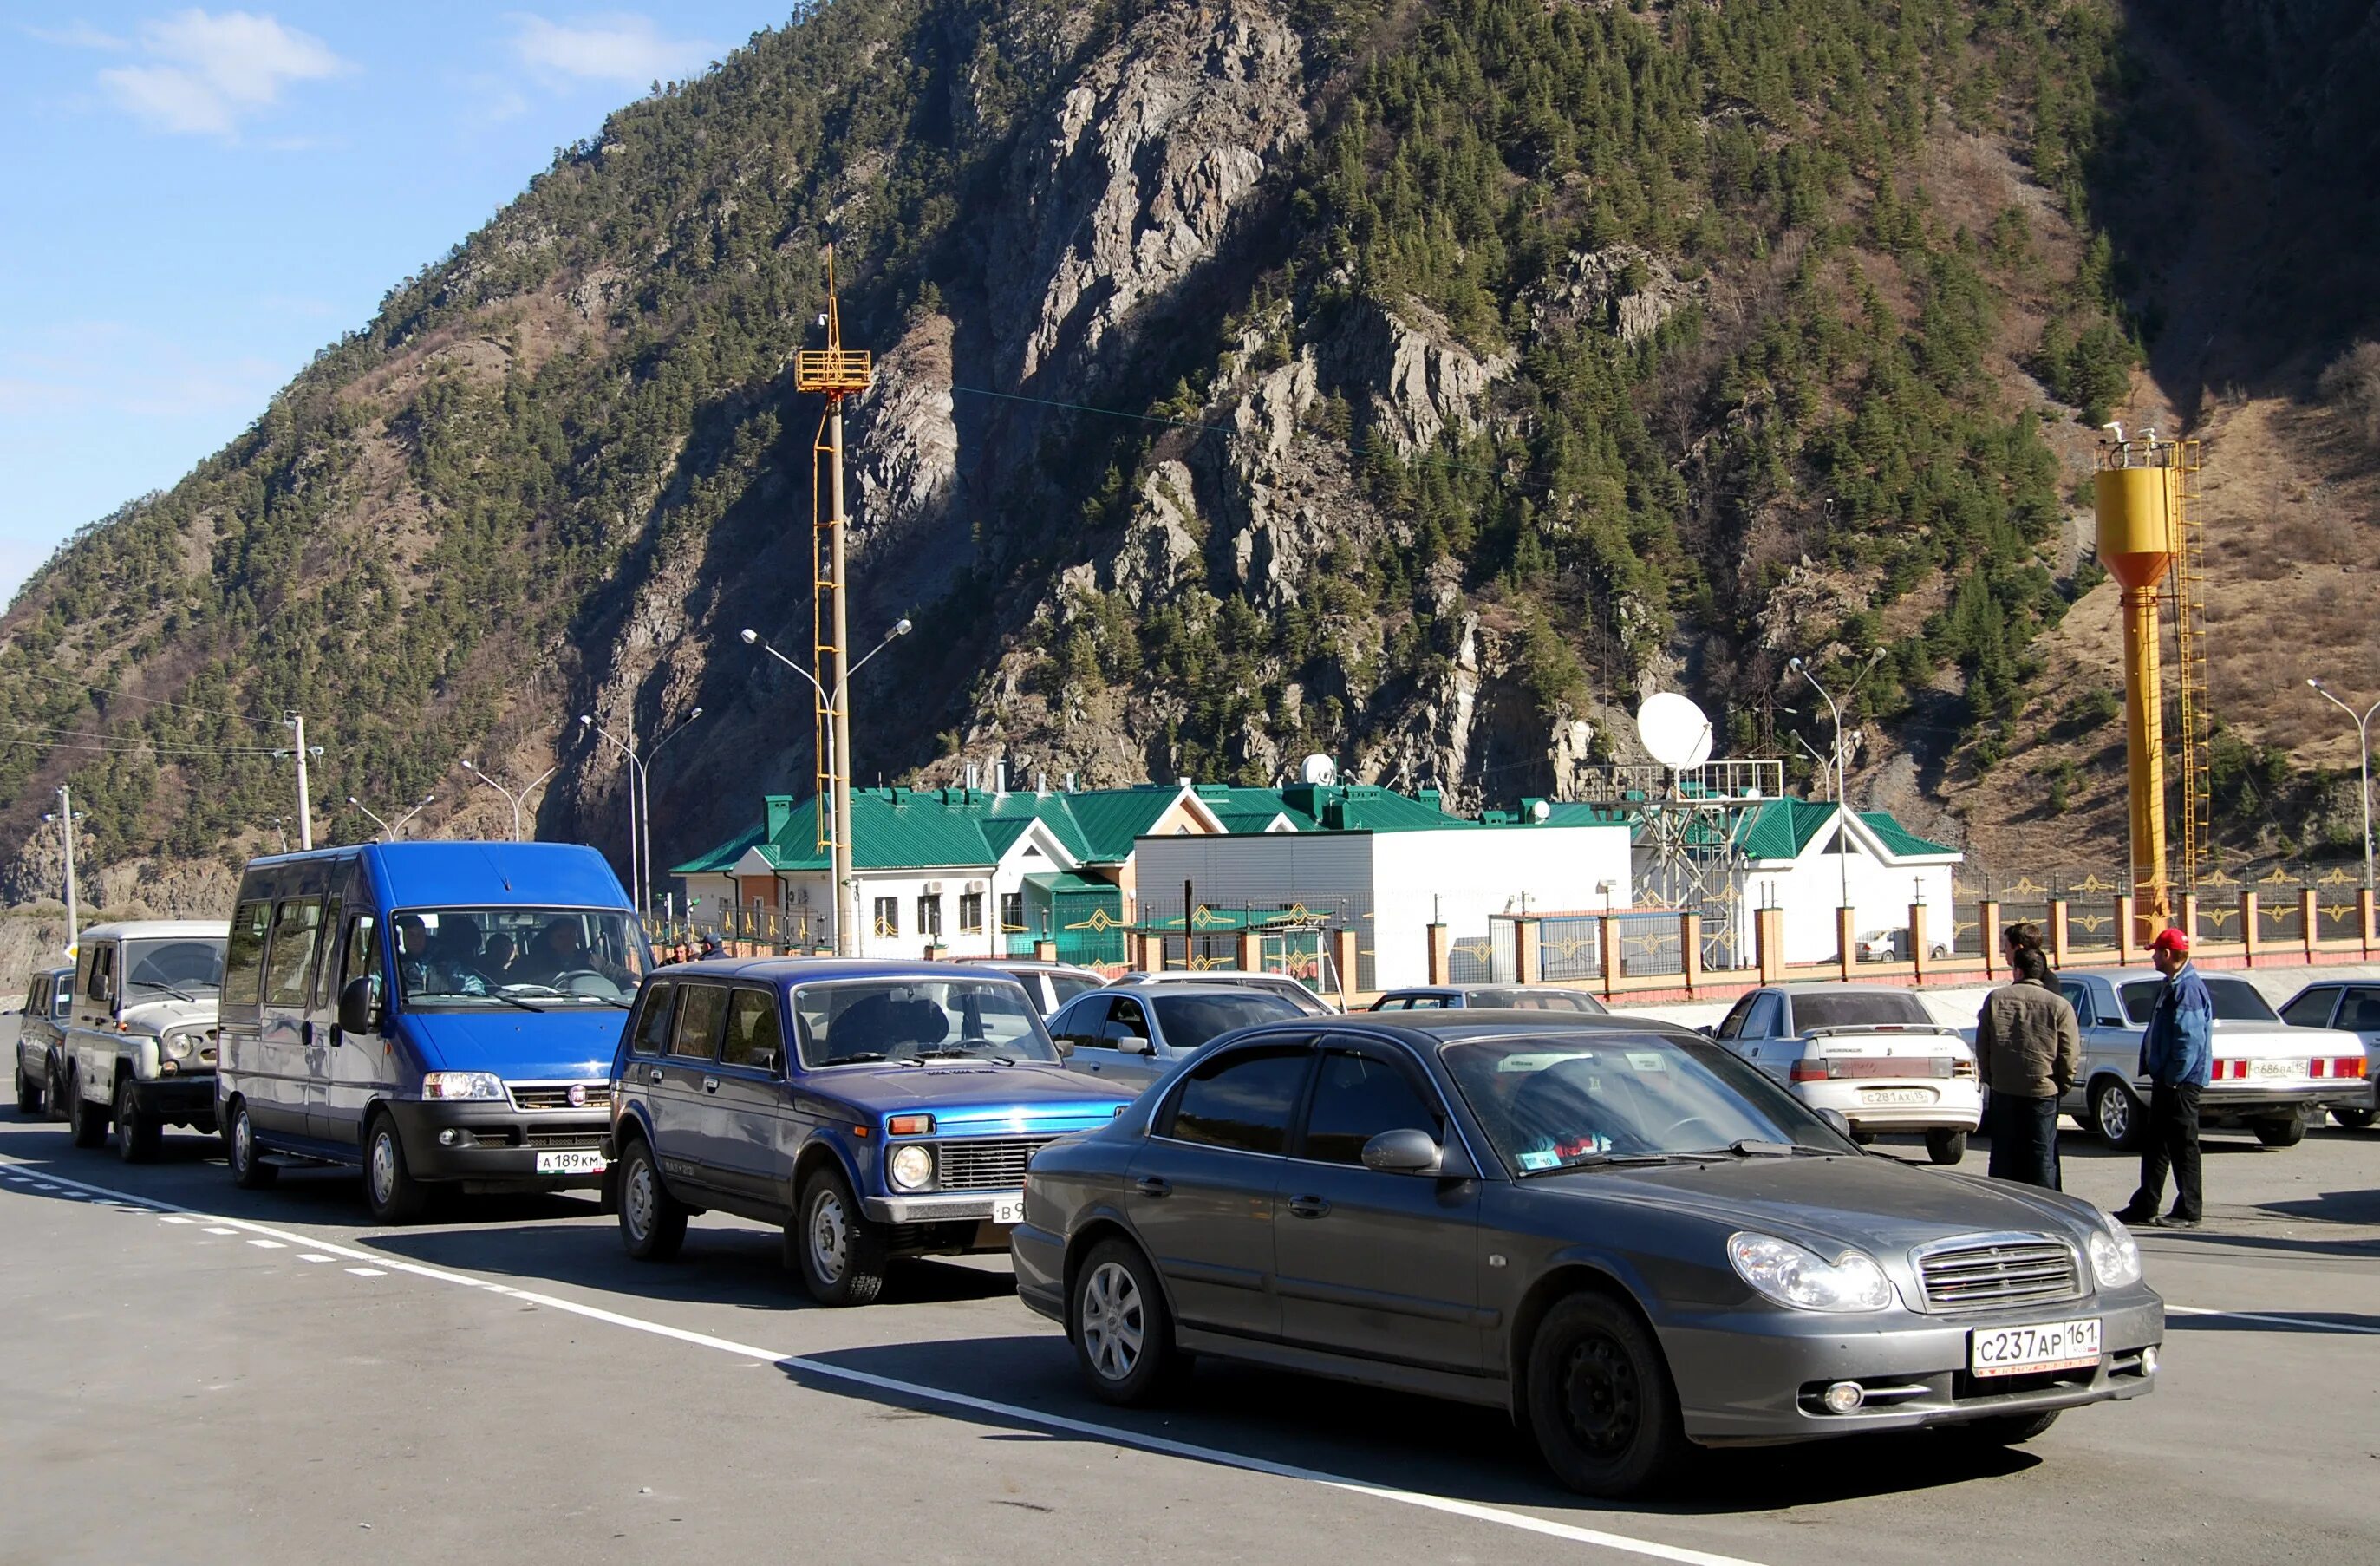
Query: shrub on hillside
[[2353, 382]]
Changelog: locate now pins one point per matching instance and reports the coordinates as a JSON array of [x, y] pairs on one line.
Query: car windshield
[[1191, 1020], [853, 1022], [1868, 1010], [2235, 1001], [186, 965], [1537, 1000], [1069, 985], [1556, 1103], [539, 958]]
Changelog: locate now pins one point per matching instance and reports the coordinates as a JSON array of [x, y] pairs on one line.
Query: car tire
[[1122, 1333], [2354, 1119], [2001, 1429], [1600, 1400], [2281, 1133], [136, 1134], [2121, 1119], [391, 1193], [652, 1223], [86, 1123], [1946, 1146], [248, 1170], [30, 1099], [840, 1252]]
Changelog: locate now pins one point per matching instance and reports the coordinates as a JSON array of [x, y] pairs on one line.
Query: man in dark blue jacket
[[2177, 1056]]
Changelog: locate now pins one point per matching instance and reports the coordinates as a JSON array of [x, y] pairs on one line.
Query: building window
[[930, 917], [888, 916], [971, 913], [1011, 912]]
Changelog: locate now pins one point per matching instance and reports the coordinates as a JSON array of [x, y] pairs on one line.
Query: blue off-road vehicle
[[874, 1109]]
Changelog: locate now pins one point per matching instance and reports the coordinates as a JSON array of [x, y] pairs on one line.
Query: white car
[[139, 1049], [1875, 1056], [1290, 990]]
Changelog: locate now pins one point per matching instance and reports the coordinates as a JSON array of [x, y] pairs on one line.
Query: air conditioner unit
[[975, 886], [933, 889]]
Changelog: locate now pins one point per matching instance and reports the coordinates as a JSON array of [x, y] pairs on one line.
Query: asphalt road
[[195, 1372]]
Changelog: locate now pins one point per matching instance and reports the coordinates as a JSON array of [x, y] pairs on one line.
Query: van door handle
[[710, 1084], [654, 1076], [1308, 1206], [305, 1033], [1153, 1185]]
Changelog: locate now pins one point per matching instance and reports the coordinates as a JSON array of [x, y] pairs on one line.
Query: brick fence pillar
[[1524, 950], [1441, 953]]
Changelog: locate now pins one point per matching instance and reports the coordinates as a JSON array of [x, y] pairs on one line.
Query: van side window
[[699, 1013], [652, 1022], [753, 1036], [102, 985], [327, 971], [244, 957], [289, 960], [363, 956]]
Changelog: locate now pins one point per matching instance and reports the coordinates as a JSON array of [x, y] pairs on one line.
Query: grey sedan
[[1611, 1228], [1132, 1037], [1506, 997]]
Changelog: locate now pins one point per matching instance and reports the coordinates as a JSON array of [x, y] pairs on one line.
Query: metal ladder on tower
[[826, 657], [2195, 716]]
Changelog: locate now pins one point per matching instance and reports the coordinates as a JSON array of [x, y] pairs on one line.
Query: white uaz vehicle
[[1873, 1056], [2264, 1075], [139, 1047]]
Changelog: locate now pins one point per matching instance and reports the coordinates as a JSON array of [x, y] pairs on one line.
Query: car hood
[[156, 1017], [556, 1046], [1879, 1204], [974, 1094]]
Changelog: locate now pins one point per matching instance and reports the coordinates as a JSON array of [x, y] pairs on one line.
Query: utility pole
[[296, 721], [67, 832]]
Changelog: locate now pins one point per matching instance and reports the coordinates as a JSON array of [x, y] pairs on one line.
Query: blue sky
[[199, 198]]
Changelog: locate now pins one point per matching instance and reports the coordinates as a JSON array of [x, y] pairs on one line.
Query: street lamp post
[[2363, 760], [389, 830], [516, 799], [1842, 801], [641, 826], [66, 817], [838, 712]]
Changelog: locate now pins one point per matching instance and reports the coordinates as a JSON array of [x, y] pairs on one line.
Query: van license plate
[[1008, 1209], [2057, 1345], [571, 1160]]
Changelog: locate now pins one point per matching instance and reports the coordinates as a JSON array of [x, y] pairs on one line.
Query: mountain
[[1420, 384]]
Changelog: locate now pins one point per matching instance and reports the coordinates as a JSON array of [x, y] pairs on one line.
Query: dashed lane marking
[[222, 1231], [366, 1272], [268, 1245], [311, 1256]]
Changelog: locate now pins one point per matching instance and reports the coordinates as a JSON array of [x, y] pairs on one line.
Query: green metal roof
[[720, 860], [1109, 819], [1057, 881], [1900, 839]]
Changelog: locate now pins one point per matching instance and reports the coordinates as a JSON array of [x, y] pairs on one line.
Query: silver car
[[1133, 1037], [1290, 990], [41, 1030], [1051, 985], [2351, 1008]]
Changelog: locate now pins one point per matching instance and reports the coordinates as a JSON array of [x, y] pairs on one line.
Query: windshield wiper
[[1606, 1161], [492, 995], [155, 984]]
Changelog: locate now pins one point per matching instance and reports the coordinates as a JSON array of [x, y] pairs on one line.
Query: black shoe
[[2134, 1216], [2173, 1221]]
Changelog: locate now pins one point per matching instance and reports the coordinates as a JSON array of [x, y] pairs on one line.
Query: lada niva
[[874, 1109]]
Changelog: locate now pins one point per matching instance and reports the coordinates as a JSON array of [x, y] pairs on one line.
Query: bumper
[[1751, 1378], [1040, 1257], [932, 1208], [1958, 1106], [2247, 1098], [490, 1140], [184, 1099]]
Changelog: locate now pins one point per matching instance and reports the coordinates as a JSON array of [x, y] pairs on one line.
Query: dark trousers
[[2173, 1144], [2024, 1140]]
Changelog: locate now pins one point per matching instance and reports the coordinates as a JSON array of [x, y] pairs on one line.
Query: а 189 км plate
[[2051, 1345], [571, 1160]]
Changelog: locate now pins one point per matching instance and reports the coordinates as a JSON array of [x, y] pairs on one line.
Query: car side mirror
[[1065, 1047], [1707, 1031], [1133, 1044], [358, 1012], [1404, 1151], [1834, 1118]]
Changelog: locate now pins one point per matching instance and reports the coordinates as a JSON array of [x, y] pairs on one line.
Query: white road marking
[[2316, 1323], [174, 1218], [311, 1256], [368, 1273], [268, 1245], [222, 1231]]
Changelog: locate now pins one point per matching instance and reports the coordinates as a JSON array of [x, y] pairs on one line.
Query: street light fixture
[[2363, 760], [516, 799], [838, 713], [390, 828], [640, 798]]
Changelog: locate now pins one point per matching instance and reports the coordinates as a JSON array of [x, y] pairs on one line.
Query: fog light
[[1844, 1397], [2148, 1362], [447, 1138]]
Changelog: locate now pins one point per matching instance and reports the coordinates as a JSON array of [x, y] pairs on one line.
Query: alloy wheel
[[2115, 1114], [1602, 1401], [1112, 1320]]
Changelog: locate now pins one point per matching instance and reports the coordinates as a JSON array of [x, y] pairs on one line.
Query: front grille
[[994, 1163], [535, 1137], [2001, 1273], [556, 1095]]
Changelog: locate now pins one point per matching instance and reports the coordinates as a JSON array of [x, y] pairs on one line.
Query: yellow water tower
[[2140, 499]]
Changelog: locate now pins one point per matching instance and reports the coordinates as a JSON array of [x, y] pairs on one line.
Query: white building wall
[[1464, 877], [1810, 890]]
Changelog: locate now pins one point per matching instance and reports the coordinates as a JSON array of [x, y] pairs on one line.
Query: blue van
[[431, 1012]]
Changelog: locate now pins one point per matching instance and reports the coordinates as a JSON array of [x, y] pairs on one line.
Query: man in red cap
[[2177, 1056]]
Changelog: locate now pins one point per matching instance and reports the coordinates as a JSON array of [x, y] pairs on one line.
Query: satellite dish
[[1319, 771], [1541, 812], [1674, 731]]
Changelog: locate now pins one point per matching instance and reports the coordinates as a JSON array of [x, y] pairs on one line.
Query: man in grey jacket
[[2028, 1050]]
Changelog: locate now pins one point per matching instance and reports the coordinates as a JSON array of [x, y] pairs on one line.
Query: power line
[[135, 740], [128, 695], [134, 748]]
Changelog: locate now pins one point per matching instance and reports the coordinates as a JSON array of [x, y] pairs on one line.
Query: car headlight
[[2115, 1256], [1800, 1277], [447, 1084], [912, 1167], [177, 1045]]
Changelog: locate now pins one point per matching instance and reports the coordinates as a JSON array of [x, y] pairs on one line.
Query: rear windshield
[[1883, 1006], [1069, 985], [2235, 1000], [1537, 1000], [1191, 1020]]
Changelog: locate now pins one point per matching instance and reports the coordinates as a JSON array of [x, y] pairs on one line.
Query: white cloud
[[628, 50], [204, 73], [78, 35]]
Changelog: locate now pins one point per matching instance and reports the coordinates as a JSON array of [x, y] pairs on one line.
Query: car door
[[1371, 1264], [1136, 1057], [747, 1116], [2079, 996], [32, 1034], [1201, 1191], [285, 1041], [318, 1027], [1760, 1039], [681, 1088], [362, 1068], [1081, 1027]]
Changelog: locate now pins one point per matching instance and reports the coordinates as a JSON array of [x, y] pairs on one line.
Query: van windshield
[[185, 967], [459, 958]]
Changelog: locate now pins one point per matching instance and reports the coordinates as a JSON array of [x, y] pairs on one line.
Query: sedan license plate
[[1008, 1209], [2014, 1350], [2277, 1068], [571, 1160], [1896, 1095]]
